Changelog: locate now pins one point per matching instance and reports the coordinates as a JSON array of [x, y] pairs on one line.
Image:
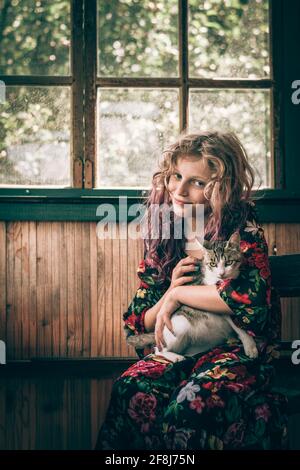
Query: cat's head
[[221, 259]]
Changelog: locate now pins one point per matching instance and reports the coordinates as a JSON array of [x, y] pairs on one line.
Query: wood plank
[[33, 288], [63, 290], [288, 242], [78, 284], [101, 295], [10, 299], [71, 345], [55, 286], [48, 292], [116, 312], [25, 294], [270, 235], [86, 290], [3, 281], [17, 295], [123, 286], [109, 305], [93, 290], [40, 287]]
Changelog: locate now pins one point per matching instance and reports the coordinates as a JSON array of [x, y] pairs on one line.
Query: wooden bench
[[285, 272]]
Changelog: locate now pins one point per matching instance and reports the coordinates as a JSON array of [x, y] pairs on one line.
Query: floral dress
[[219, 399]]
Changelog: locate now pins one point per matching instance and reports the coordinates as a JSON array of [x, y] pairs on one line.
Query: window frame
[[67, 203]]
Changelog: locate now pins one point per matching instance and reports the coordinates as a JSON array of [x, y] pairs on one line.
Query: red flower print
[[223, 284], [261, 260], [263, 411], [235, 434], [142, 267], [207, 385], [215, 401], [142, 409], [245, 246], [151, 369], [265, 273], [242, 298], [130, 320], [144, 285], [197, 404], [234, 386]]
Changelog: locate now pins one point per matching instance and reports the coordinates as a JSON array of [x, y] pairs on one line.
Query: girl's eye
[[199, 183]]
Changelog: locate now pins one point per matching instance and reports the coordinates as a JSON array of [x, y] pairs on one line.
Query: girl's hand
[[184, 266], [164, 318]]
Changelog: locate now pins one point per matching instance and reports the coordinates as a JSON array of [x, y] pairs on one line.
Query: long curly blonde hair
[[228, 192]]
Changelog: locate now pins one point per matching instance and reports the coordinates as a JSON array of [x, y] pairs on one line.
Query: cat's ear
[[205, 245], [235, 238]]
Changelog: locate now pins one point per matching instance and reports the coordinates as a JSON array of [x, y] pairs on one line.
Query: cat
[[196, 330]]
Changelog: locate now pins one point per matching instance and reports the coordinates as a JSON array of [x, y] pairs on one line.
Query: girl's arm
[[201, 297], [150, 315]]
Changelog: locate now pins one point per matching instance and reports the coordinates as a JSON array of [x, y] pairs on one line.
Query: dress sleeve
[[249, 295], [147, 295]]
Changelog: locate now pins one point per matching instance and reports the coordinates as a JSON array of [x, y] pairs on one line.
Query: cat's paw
[[251, 350], [170, 356]]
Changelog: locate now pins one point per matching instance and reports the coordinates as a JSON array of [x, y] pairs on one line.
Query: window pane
[[138, 38], [35, 136], [229, 38], [134, 126], [35, 37], [246, 112]]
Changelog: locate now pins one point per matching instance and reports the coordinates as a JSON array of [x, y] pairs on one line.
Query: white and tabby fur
[[195, 330]]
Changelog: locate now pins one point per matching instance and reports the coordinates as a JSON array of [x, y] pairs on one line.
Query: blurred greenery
[[136, 38]]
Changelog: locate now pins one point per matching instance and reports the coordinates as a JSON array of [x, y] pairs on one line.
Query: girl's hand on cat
[[185, 265], [164, 318]]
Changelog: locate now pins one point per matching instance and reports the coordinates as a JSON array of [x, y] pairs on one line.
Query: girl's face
[[187, 182]]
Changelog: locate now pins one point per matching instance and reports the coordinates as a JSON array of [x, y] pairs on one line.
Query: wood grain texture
[[64, 289]]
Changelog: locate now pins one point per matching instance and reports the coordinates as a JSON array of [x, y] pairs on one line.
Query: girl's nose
[[182, 189]]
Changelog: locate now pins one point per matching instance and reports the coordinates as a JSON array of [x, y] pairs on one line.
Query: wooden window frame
[[84, 82]]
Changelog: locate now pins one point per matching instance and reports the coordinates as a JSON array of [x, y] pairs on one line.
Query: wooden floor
[[53, 408]]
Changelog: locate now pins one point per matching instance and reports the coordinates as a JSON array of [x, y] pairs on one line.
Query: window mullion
[[77, 68], [183, 63], [90, 91], [276, 65]]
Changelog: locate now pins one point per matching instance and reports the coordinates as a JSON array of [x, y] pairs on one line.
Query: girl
[[219, 399]]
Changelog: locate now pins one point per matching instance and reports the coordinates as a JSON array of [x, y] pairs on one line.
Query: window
[[35, 116], [166, 65], [96, 89]]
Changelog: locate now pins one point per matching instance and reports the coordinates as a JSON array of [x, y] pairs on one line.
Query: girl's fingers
[[169, 324], [189, 260], [183, 280], [189, 267]]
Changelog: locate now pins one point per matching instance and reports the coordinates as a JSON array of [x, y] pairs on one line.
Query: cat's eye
[[229, 263], [213, 264]]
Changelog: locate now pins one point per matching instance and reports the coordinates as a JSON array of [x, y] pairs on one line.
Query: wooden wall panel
[[3, 251], [287, 242], [63, 290]]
